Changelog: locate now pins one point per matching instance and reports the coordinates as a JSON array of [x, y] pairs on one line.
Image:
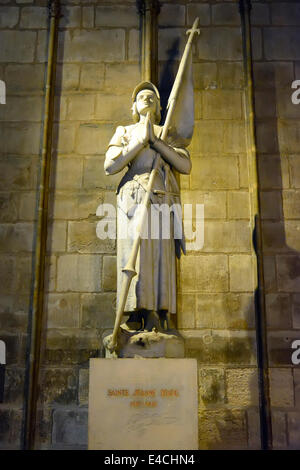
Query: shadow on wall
[[167, 76], [277, 145]]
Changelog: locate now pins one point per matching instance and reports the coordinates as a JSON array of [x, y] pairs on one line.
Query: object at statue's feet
[[145, 344]]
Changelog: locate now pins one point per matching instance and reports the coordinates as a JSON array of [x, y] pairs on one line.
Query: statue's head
[[145, 98]]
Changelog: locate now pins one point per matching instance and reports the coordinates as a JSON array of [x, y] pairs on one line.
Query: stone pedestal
[[143, 404]]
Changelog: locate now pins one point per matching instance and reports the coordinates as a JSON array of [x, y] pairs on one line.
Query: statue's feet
[[134, 323], [152, 321], [131, 327]]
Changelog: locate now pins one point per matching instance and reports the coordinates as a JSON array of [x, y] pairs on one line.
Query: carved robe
[[154, 286]]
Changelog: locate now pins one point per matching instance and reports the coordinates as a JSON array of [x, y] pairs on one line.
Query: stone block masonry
[[278, 125], [21, 121]]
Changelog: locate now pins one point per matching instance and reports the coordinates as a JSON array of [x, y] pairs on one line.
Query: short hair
[[157, 116]]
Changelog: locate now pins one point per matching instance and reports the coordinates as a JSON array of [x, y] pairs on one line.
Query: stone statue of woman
[[152, 293]]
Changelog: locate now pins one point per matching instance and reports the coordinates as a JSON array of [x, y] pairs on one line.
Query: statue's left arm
[[178, 158]]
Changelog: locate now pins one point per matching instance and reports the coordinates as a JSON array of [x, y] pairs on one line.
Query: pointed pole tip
[[196, 22]]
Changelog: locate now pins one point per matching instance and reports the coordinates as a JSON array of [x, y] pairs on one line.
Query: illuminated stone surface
[[143, 404]]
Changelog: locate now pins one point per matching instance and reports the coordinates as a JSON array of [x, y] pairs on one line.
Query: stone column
[[34, 345], [149, 10]]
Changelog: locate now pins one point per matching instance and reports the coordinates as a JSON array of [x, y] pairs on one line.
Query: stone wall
[[276, 66], [23, 33], [98, 66]]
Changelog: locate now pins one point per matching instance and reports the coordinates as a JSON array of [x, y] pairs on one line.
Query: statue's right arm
[[118, 156]]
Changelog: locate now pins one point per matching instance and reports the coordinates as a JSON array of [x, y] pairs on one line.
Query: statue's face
[[146, 100]]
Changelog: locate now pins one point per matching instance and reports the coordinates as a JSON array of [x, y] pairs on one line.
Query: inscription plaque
[[146, 404]]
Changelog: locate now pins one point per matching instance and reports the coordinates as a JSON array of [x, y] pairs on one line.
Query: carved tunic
[[154, 286]]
